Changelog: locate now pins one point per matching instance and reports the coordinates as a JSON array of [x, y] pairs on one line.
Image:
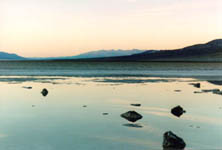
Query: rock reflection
[[131, 125]]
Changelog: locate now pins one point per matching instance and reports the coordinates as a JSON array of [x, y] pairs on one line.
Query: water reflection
[[61, 119], [131, 125]]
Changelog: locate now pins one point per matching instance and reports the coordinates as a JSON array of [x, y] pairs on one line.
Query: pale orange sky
[[40, 28]]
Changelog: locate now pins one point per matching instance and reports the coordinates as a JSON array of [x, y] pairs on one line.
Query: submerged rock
[[44, 92], [105, 114], [177, 111], [84, 106], [137, 105], [172, 141], [197, 85], [132, 116]]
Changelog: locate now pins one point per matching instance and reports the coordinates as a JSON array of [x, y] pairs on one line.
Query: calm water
[[84, 69], [59, 121]]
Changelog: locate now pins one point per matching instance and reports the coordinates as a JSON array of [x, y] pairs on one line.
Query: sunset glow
[[39, 28]]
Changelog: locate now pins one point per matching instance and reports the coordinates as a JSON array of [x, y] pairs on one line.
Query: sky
[[45, 28]]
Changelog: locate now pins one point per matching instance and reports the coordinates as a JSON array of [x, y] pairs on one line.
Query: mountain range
[[208, 52], [211, 51]]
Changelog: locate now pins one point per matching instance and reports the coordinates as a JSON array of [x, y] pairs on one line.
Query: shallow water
[[59, 121]]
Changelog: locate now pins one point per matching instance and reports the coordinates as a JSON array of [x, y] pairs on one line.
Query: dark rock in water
[[133, 125], [197, 85], [214, 91], [211, 90], [105, 114], [84, 106], [217, 92], [172, 141], [132, 116], [177, 111], [27, 87], [177, 90], [137, 105], [44, 92], [197, 92]]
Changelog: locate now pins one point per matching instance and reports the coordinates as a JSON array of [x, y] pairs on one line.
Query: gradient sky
[[68, 27]]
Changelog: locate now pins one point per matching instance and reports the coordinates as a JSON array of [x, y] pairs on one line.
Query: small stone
[[44, 92], [172, 141], [132, 116], [177, 111], [84, 106], [105, 114], [197, 85], [27, 87], [197, 92], [177, 90], [137, 105]]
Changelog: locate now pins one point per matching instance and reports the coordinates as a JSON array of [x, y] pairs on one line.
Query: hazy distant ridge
[[97, 54], [108, 53], [8, 56], [211, 51]]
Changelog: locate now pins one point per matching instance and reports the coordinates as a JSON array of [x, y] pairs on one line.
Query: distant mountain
[[97, 54], [108, 53], [211, 51], [8, 56]]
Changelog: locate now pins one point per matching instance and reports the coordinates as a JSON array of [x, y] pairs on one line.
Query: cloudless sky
[[39, 28]]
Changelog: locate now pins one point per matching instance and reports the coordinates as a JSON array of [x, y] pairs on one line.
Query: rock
[[132, 116], [214, 91], [177, 111], [105, 114], [211, 90], [44, 92], [172, 141], [27, 87], [217, 92], [197, 92], [137, 105], [197, 85], [84, 106], [177, 90]]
